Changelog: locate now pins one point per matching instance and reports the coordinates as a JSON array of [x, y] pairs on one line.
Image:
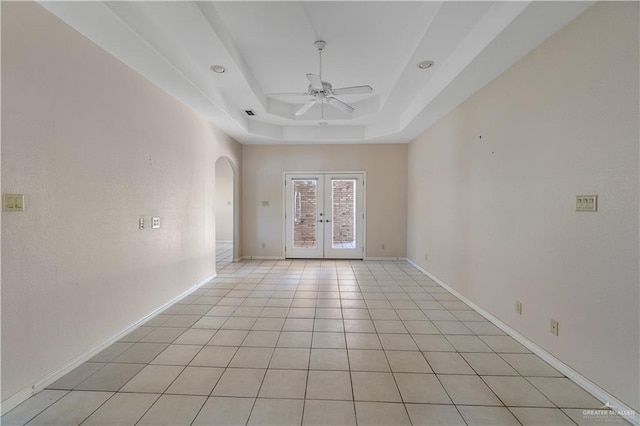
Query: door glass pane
[[343, 206], [305, 205]]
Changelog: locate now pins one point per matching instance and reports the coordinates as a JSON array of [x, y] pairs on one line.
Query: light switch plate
[[141, 223], [155, 222], [586, 203], [13, 202]]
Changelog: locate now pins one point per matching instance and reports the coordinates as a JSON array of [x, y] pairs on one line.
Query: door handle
[[328, 220], [320, 220]]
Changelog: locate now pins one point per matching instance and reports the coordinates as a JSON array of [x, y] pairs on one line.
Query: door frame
[[284, 205]]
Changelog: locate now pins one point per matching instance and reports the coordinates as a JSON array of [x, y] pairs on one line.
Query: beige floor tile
[[397, 342], [463, 343], [290, 384], [564, 393], [487, 416], [171, 410], [31, 407], [111, 377], [210, 323], [359, 326], [468, 390], [483, 328], [355, 314], [381, 413], [277, 412], [328, 340], [531, 365], [489, 364], [421, 388], [221, 411], [448, 363], [295, 339], [141, 353], [242, 382], [71, 409], [380, 387], [177, 355], [76, 376], [196, 381], [258, 338], [110, 353], [329, 359], [163, 335], [407, 362], [153, 379], [504, 344], [368, 360], [298, 324], [389, 326], [334, 385], [252, 358], [194, 336], [452, 327], [541, 416], [122, 409], [363, 341], [290, 358], [136, 335], [421, 327], [431, 414], [432, 343], [184, 321], [516, 391], [239, 323], [324, 413], [214, 356], [328, 325], [228, 338], [268, 324]]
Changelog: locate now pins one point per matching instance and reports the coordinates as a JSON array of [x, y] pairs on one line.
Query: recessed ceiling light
[[323, 123], [218, 68], [423, 65]]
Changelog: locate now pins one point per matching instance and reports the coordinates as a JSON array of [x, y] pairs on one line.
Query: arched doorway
[[224, 212]]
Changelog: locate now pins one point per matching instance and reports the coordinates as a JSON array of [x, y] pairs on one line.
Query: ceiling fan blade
[[306, 107], [315, 81], [353, 90], [340, 105], [289, 94]]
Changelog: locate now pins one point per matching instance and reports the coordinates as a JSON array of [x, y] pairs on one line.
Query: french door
[[324, 215]]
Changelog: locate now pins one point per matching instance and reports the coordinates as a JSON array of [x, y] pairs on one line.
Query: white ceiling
[[267, 47]]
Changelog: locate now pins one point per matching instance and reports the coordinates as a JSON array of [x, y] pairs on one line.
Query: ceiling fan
[[323, 92]]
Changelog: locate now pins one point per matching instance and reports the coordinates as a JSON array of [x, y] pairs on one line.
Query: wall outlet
[[155, 222], [586, 203], [554, 327], [13, 202], [518, 307]]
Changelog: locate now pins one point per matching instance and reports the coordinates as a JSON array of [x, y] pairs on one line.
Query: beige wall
[[386, 192], [93, 146], [224, 201], [496, 215]]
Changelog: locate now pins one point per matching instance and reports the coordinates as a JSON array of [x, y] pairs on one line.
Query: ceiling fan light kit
[[322, 91]]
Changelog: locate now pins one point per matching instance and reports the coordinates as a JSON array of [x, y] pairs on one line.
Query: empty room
[[320, 213]]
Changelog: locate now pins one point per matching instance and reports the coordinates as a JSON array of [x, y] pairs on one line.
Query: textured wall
[[93, 146], [492, 196]]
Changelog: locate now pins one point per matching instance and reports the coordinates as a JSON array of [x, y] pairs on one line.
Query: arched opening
[[224, 212]]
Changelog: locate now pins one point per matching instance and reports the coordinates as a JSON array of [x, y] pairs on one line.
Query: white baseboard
[[224, 241], [614, 403], [263, 257], [16, 399], [384, 258]]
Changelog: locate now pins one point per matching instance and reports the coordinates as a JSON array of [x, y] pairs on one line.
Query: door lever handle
[[320, 220], [328, 220]]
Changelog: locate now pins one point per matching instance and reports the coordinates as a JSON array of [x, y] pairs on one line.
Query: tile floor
[[224, 255], [314, 343]]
